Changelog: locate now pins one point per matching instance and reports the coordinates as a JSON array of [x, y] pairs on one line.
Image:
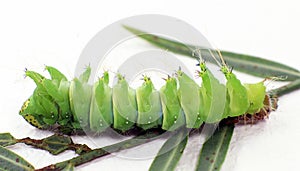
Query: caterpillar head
[[32, 118]]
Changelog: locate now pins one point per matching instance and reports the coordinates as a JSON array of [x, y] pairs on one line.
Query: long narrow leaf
[[11, 161], [69, 167], [170, 153], [214, 150], [244, 63], [295, 85]]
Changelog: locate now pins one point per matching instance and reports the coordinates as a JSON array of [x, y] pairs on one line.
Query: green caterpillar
[[180, 102]]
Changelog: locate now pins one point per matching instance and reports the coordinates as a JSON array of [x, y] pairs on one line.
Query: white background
[[34, 33]]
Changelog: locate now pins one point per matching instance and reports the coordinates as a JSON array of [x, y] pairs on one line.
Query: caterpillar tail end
[[270, 104]]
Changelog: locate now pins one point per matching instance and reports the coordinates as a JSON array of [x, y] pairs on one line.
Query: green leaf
[[11, 161], [244, 63], [292, 86], [171, 152], [214, 150], [7, 139], [56, 144], [142, 138], [69, 167]]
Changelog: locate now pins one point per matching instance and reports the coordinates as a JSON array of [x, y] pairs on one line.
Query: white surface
[[33, 33]]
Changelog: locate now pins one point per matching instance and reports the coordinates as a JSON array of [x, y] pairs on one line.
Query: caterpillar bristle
[[274, 102]]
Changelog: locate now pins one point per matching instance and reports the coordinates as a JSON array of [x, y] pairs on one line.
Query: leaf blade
[[292, 86], [11, 161], [167, 159], [56, 144], [142, 138], [214, 150], [69, 167], [7, 139], [244, 63]]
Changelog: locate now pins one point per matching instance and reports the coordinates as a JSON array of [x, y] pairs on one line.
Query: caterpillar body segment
[[212, 100], [180, 102], [32, 117], [58, 89], [80, 94], [64, 104], [59, 92], [148, 105], [173, 116], [49, 107], [101, 112], [236, 96], [256, 95], [124, 105], [189, 97], [41, 103]]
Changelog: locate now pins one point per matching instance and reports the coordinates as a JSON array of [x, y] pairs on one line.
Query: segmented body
[[181, 101]]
